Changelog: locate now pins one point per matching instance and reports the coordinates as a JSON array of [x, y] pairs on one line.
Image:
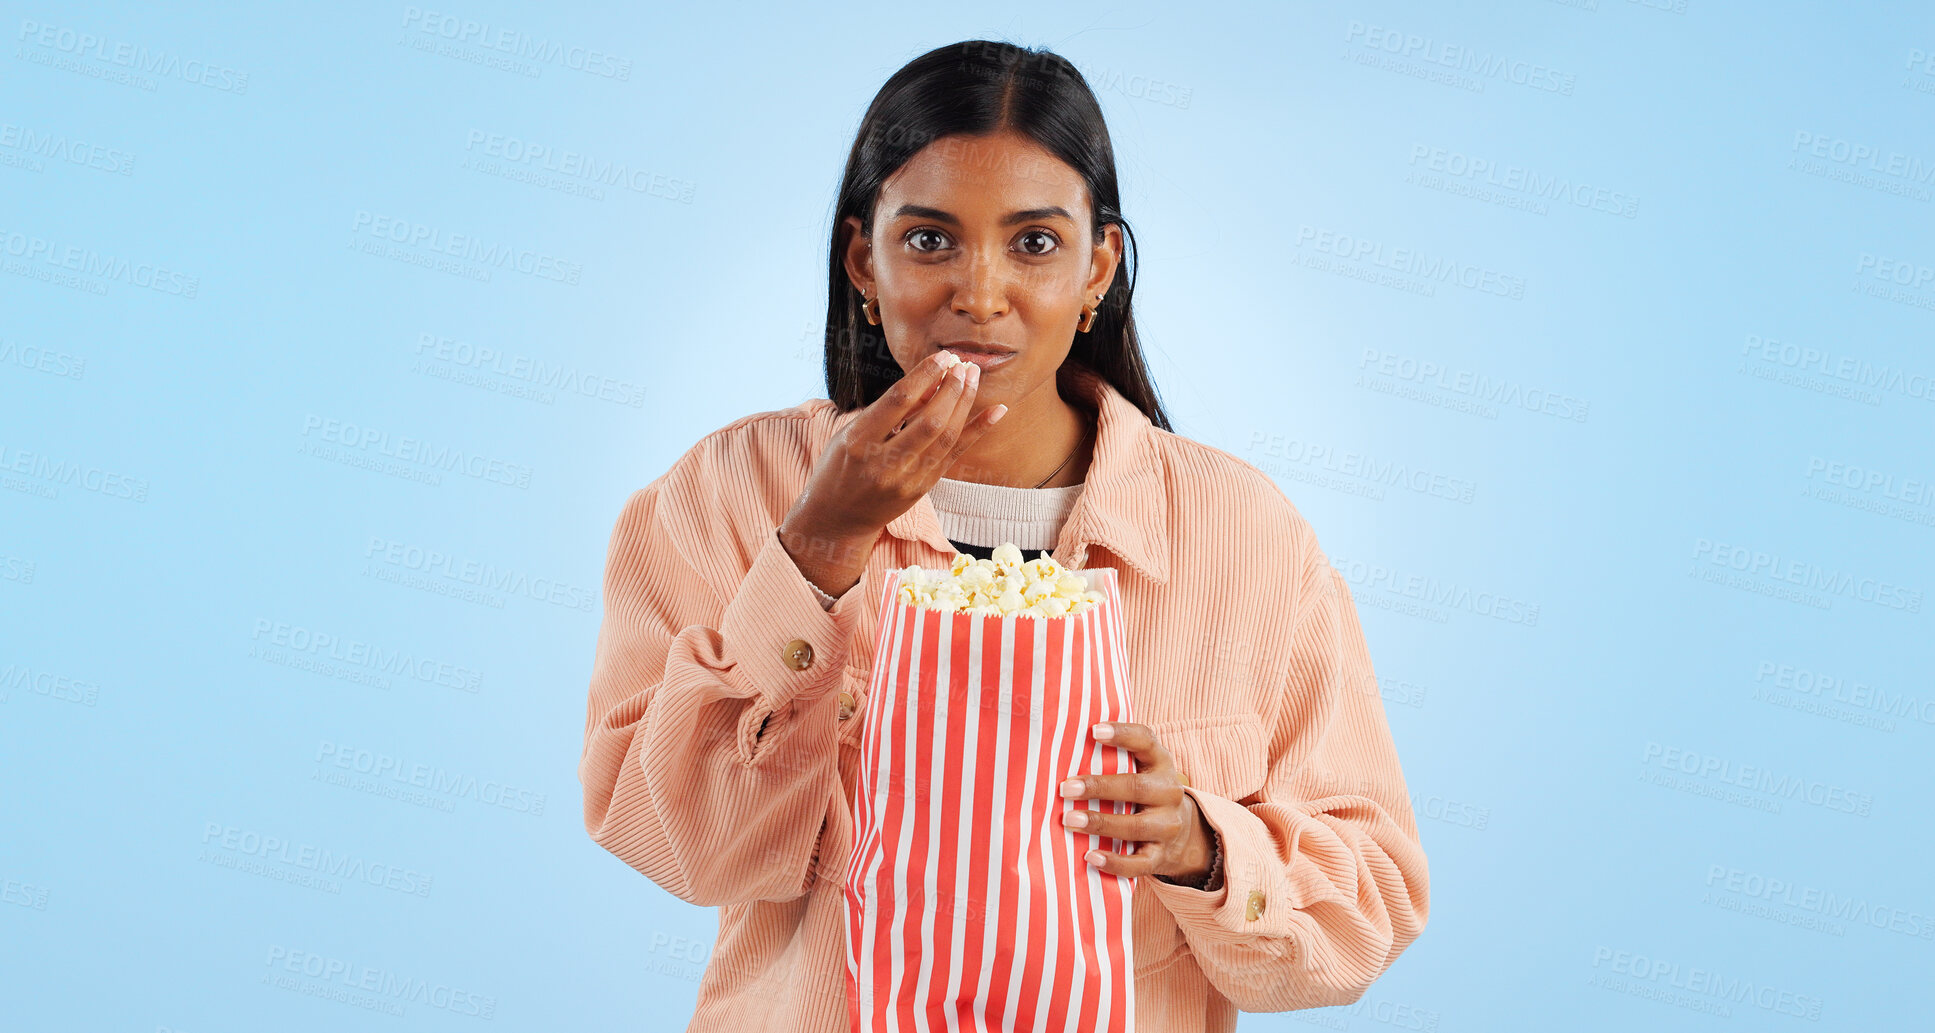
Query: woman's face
[[984, 240]]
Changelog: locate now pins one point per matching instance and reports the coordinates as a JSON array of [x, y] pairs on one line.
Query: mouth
[[982, 354]]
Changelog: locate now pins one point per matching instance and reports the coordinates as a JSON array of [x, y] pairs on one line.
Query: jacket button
[[798, 654], [847, 704], [1255, 909]]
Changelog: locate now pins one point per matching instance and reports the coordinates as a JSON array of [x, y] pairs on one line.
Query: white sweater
[[991, 514]]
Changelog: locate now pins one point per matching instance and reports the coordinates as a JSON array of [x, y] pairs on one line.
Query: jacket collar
[[1123, 504]]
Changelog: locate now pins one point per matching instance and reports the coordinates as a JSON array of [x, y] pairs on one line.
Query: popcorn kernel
[[1003, 585]]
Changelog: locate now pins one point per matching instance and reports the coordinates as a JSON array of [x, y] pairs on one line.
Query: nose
[[982, 293]]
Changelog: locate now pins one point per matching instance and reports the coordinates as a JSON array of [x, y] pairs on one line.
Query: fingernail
[[1076, 819], [1104, 731], [999, 411], [947, 359], [1072, 787], [974, 372], [1093, 857]]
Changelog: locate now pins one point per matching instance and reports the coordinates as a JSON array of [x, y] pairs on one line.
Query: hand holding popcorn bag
[[969, 905]]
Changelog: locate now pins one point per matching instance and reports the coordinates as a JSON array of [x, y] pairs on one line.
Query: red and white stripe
[[969, 904]]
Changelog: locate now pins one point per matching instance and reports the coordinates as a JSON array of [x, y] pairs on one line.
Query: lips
[[985, 356]]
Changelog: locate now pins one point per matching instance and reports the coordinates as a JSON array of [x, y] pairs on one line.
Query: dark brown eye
[[918, 234], [1046, 236]]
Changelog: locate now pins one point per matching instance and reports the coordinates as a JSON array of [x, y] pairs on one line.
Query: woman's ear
[[1103, 261], [857, 255]]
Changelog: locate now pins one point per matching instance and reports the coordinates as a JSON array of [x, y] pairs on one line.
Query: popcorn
[[999, 587], [1018, 714]]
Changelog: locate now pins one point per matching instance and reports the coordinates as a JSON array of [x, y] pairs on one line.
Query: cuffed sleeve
[[1324, 879], [711, 758], [773, 608]]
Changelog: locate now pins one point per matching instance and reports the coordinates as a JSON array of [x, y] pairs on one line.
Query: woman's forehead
[[984, 176]]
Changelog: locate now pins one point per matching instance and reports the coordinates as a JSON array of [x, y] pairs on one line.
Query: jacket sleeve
[[1323, 880], [710, 761]]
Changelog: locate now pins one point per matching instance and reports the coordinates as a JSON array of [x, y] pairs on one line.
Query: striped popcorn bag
[[969, 906]]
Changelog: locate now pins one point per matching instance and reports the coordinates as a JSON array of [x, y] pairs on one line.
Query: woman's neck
[[1037, 433]]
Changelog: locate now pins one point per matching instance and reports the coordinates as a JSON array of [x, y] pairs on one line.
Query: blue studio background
[[1635, 503]]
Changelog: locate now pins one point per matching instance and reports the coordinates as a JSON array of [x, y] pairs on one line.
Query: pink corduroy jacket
[[725, 772]]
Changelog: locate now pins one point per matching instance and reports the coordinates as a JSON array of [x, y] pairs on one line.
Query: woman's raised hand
[[881, 463]]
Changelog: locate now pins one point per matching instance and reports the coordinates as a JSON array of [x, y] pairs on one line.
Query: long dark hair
[[973, 88]]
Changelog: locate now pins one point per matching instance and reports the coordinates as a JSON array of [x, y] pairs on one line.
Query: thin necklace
[[1071, 454]]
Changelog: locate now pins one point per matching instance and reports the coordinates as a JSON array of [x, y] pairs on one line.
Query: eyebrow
[[920, 211]]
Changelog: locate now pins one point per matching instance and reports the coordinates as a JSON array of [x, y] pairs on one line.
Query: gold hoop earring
[[1088, 316], [871, 309]]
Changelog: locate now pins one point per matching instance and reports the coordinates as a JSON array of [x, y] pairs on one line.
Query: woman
[[980, 352]]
